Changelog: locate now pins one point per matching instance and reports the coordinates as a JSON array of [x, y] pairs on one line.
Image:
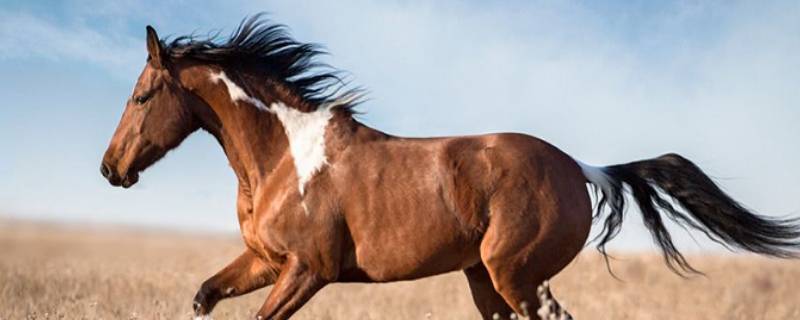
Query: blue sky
[[607, 81]]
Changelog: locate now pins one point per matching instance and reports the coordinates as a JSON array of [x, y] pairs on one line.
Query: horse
[[323, 198]]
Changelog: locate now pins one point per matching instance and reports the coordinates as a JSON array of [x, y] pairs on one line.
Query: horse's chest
[[277, 222], [247, 221], [258, 235]]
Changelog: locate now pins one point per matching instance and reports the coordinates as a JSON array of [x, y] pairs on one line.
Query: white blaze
[[305, 130]]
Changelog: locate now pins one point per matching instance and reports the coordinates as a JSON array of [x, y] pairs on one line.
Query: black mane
[[256, 42]]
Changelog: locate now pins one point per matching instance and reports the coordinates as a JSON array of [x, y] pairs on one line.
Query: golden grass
[[52, 272]]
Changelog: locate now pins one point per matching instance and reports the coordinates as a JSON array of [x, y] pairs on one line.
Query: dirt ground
[[88, 272]]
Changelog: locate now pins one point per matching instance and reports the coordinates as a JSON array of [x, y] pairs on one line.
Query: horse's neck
[[260, 131], [252, 144], [256, 146], [252, 139]]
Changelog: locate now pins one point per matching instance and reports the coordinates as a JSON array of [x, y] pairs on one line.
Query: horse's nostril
[[105, 171], [114, 178]]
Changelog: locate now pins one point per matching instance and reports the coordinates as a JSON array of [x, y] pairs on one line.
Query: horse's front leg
[[296, 284], [245, 274]]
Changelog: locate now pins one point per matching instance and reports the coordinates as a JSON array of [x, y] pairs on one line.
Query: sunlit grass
[[77, 273]]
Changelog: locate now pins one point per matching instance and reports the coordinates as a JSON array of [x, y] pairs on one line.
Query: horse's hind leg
[[488, 301], [531, 237], [549, 308], [518, 280]]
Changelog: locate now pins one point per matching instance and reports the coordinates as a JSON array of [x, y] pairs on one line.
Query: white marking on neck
[[306, 133], [236, 92], [305, 130]]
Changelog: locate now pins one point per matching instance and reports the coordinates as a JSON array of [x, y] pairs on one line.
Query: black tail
[[702, 206]]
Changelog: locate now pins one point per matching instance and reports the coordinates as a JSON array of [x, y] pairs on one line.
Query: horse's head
[[157, 118]]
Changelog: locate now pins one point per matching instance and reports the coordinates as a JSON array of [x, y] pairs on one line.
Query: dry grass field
[[72, 272]]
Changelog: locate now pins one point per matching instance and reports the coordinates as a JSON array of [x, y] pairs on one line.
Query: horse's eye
[[141, 99]]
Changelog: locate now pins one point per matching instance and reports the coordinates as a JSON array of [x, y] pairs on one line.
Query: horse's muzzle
[[116, 180]]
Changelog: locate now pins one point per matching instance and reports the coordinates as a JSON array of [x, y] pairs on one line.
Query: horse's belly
[[417, 210], [418, 245]]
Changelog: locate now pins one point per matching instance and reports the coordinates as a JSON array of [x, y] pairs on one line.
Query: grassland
[[74, 272]]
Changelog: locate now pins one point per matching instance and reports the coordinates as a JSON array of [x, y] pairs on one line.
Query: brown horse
[[323, 198]]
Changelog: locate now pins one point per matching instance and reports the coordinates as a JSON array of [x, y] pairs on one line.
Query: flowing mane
[[271, 49]]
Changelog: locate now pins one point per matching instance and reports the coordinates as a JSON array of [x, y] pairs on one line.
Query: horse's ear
[[157, 57]]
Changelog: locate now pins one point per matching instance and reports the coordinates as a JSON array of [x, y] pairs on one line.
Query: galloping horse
[[323, 198]]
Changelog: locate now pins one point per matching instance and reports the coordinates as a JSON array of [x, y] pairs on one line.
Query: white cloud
[[26, 36]]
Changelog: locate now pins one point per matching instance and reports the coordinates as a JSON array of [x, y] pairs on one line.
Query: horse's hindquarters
[[540, 219]]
